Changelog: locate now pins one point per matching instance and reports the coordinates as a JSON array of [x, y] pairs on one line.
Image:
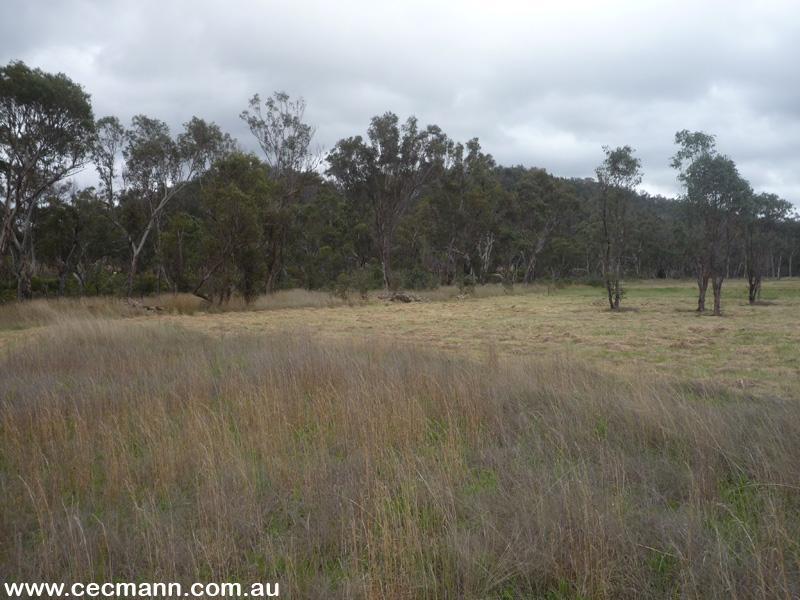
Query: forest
[[402, 206]]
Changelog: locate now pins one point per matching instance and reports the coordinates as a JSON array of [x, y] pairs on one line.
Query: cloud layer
[[540, 83]]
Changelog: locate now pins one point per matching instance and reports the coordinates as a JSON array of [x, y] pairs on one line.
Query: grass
[[755, 349], [39, 312], [436, 450]]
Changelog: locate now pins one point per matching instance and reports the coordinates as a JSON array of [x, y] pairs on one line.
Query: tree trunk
[[530, 271], [717, 286], [62, 282], [132, 271], [753, 288], [386, 267], [271, 276], [24, 278], [702, 287], [613, 286], [274, 267], [81, 282]]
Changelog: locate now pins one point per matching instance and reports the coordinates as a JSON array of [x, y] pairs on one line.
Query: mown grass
[[141, 450]]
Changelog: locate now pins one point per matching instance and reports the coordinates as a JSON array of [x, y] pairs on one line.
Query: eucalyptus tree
[[693, 146], [155, 168], [618, 176], [46, 128], [716, 195], [790, 234], [235, 201], [58, 231], [542, 201], [388, 173], [279, 126], [458, 212], [762, 217]]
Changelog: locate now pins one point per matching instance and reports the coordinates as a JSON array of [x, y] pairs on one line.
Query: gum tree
[[762, 218], [716, 195], [156, 168], [692, 146], [618, 175], [387, 173], [46, 129], [279, 126]]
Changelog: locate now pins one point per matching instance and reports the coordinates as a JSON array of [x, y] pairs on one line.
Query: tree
[[106, 152], [693, 145], [388, 172], [715, 196], [46, 128], [331, 244], [618, 175], [236, 202], [156, 168], [285, 139], [59, 230], [790, 235], [541, 201], [762, 215], [458, 210]]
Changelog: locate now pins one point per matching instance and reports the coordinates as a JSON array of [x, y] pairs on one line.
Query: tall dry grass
[[135, 451], [50, 311]]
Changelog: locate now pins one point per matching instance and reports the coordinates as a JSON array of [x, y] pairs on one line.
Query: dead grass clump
[[138, 451]]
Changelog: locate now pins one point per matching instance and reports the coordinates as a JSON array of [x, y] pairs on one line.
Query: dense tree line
[[404, 206]]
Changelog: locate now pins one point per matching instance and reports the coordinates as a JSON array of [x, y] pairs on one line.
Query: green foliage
[[238, 206], [618, 175], [386, 174], [46, 130], [45, 111], [403, 206], [358, 281]]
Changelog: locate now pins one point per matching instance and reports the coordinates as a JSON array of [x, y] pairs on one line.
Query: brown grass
[[21, 315], [16, 315], [137, 450], [754, 349]]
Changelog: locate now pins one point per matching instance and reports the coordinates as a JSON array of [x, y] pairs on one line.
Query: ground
[[753, 348], [529, 444]]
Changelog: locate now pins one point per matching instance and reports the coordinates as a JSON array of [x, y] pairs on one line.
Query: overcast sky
[[541, 83]]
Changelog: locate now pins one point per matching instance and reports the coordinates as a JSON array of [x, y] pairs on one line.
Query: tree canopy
[[400, 205]]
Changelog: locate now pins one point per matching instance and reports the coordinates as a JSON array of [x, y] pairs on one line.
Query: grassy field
[[751, 348], [525, 445]]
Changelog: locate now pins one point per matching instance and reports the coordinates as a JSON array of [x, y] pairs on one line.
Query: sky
[[541, 83]]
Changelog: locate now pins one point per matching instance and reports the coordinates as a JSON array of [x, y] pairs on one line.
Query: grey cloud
[[544, 84]]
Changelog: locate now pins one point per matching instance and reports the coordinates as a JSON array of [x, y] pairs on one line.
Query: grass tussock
[[143, 451]]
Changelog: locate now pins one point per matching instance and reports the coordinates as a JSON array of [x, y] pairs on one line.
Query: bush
[[417, 279], [359, 281]]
